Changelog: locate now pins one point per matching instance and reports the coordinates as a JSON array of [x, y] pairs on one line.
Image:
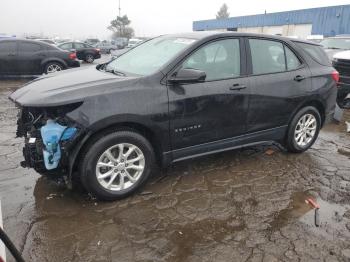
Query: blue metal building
[[327, 21]]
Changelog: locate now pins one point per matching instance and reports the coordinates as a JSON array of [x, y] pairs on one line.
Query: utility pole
[[119, 8]]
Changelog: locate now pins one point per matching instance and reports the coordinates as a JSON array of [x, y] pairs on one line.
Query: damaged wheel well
[[123, 126]]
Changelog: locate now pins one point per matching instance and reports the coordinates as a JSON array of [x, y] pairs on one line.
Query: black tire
[[89, 58], [49, 65], [291, 143], [95, 150]]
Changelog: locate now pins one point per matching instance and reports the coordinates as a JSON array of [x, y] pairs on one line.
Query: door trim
[[252, 139]]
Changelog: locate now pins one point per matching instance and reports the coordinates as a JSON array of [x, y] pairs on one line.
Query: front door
[[29, 57], [216, 108]]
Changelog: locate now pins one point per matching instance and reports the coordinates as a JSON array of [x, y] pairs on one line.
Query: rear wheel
[[116, 165], [89, 58], [53, 67], [303, 130]]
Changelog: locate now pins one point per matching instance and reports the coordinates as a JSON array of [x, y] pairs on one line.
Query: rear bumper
[[97, 56]]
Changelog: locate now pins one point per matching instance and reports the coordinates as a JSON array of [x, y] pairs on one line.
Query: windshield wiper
[[116, 72]]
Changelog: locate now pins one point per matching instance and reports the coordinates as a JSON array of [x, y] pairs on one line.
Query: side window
[[219, 60], [66, 46], [79, 45], [293, 61], [28, 47], [7, 47], [267, 56]]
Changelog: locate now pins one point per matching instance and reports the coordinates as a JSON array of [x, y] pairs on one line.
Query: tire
[[53, 67], [89, 58], [110, 167], [300, 137]]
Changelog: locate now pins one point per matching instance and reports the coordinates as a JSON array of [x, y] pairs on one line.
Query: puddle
[[333, 217]]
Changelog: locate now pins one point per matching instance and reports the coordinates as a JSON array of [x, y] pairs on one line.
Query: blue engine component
[[52, 133]]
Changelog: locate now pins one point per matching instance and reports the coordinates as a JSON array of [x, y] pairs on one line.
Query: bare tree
[[223, 12]]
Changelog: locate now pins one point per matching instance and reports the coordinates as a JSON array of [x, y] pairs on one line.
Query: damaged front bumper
[[49, 137]]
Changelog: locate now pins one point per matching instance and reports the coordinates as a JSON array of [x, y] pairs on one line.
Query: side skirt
[[252, 139]]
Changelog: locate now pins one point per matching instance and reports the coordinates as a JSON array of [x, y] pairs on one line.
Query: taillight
[[97, 49], [72, 56], [335, 76]]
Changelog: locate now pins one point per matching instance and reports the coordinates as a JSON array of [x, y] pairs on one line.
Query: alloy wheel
[[53, 68], [305, 130], [120, 166]]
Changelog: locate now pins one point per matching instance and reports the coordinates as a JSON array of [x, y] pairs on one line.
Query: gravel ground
[[242, 205]]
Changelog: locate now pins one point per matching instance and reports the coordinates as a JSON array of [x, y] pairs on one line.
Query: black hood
[[69, 86]]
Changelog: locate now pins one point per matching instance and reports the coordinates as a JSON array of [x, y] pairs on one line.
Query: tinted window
[[7, 47], [316, 52], [79, 45], [66, 46], [267, 56], [29, 47], [293, 61], [219, 60]]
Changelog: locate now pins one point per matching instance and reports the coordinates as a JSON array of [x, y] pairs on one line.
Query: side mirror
[[188, 75]]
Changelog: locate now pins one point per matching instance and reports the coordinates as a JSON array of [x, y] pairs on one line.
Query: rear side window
[[267, 56], [293, 61], [316, 52], [66, 46], [7, 47], [29, 47], [79, 45]]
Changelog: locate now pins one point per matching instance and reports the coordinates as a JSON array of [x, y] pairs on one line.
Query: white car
[[134, 42]]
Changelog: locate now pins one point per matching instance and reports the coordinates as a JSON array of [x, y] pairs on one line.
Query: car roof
[[215, 34]]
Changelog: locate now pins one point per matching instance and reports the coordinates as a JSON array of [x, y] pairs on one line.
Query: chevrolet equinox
[[172, 98]]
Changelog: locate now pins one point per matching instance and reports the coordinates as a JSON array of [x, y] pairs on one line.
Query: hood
[[69, 86], [343, 55]]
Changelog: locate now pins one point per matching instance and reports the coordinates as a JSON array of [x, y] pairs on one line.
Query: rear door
[[217, 108], [280, 82], [30, 55], [80, 50], [8, 54]]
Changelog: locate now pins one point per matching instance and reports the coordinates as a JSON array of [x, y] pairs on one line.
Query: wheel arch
[[50, 60], [94, 135], [318, 104]]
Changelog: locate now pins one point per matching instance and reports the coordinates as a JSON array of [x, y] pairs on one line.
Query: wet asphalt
[[242, 205]]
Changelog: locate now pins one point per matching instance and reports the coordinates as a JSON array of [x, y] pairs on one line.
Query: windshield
[[150, 56], [336, 43]]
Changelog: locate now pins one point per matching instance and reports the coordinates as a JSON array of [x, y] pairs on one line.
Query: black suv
[[30, 57], [172, 98]]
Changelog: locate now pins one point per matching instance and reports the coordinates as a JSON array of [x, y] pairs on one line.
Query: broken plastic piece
[[316, 206]]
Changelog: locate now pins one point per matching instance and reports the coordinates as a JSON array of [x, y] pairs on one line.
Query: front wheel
[[303, 130], [116, 165]]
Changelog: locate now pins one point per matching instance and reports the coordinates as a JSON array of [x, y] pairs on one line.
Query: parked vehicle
[[173, 98], [106, 47], [84, 52], [134, 42], [92, 41], [335, 45], [341, 62], [31, 57]]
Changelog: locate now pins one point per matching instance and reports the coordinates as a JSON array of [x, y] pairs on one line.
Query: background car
[[92, 41], [83, 51], [30, 57], [333, 45], [106, 47], [134, 42]]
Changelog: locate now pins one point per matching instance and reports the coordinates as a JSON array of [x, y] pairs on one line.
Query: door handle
[[237, 87], [299, 78]]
